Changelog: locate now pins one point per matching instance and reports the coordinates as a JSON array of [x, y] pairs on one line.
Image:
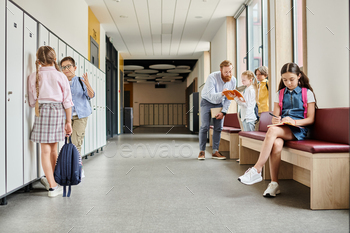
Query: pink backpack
[[304, 97]]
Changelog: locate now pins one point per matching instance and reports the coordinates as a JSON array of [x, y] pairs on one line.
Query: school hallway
[[139, 183]]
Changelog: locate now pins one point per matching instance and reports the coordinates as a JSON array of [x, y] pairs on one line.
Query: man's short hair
[[225, 63], [68, 59]]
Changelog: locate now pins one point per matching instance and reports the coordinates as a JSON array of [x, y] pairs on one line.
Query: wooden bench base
[[228, 142], [327, 174]]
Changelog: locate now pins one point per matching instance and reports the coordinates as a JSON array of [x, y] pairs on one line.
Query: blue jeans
[[205, 119], [248, 126]]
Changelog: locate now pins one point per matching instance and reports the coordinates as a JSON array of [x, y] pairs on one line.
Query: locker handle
[[10, 93]]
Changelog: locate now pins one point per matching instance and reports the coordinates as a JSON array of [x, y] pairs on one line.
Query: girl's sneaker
[[53, 192], [44, 182], [251, 176], [272, 190]]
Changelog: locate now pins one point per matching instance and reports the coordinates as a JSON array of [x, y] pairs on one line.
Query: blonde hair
[[225, 63], [250, 75], [44, 56]]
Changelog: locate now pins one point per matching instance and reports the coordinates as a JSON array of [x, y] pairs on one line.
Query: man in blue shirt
[[82, 92], [212, 97]]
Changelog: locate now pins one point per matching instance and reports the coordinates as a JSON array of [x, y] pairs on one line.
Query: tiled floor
[[151, 181]]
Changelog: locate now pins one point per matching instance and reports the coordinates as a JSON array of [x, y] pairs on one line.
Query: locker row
[[162, 114], [21, 36]]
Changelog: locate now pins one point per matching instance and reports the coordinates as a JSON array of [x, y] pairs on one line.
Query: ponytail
[[56, 66]]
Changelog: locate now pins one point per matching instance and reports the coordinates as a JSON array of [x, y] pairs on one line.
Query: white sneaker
[[44, 182], [82, 173], [55, 192], [251, 176], [272, 190]]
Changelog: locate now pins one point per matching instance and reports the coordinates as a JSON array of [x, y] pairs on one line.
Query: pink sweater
[[53, 86]]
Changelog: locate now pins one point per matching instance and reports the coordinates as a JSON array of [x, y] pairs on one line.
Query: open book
[[230, 93], [284, 123]]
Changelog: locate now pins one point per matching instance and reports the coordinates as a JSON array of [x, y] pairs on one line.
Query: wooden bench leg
[[247, 156], [234, 150], [330, 183]]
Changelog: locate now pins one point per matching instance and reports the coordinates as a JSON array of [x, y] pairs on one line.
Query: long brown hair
[[44, 56], [303, 81]]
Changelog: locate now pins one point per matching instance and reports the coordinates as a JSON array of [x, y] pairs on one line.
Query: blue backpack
[[68, 167]]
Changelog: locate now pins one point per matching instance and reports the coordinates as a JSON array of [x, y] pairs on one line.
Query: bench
[[229, 135], [320, 162]]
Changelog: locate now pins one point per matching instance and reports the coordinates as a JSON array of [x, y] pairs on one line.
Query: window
[[265, 31], [298, 32], [241, 27], [255, 46]]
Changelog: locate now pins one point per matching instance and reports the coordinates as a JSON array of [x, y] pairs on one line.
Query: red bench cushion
[[315, 146], [265, 120], [231, 120], [231, 129], [253, 134]]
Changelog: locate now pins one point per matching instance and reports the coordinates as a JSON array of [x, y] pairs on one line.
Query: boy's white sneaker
[[272, 190], [55, 192], [44, 182], [251, 176]]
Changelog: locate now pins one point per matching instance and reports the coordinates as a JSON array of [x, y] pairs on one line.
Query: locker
[[146, 114], [70, 52], [156, 114], [170, 114], [166, 118], [184, 113], [14, 108], [30, 47], [161, 114], [53, 42], [93, 81], [2, 99], [62, 51], [76, 58], [98, 111], [43, 36], [142, 114], [82, 65], [175, 114], [179, 114], [104, 135], [151, 114], [87, 142]]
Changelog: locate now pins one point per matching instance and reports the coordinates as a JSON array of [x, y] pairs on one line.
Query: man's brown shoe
[[218, 155], [201, 155]]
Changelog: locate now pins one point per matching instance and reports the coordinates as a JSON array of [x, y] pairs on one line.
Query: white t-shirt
[[247, 107], [310, 97]]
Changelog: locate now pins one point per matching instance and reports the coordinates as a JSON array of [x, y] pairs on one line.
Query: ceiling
[[162, 29]]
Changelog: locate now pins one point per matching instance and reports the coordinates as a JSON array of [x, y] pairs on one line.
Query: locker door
[[166, 115], [104, 135], [2, 99], [156, 114], [14, 92], [170, 114], [190, 122], [62, 49], [77, 63], [70, 52], [151, 114], [175, 114], [87, 141], [98, 109], [184, 114], [93, 81], [179, 114], [82, 65], [161, 117], [30, 43], [53, 42], [142, 114], [146, 114], [43, 36]]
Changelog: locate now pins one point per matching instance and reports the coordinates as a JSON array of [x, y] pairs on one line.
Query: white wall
[[218, 48], [67, 19], [328, 57], [147, 93]]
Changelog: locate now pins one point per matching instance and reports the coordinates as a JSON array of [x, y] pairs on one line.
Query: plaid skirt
[[49, 127]]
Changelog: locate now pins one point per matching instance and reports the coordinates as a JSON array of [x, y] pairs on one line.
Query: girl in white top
[[247, 108]]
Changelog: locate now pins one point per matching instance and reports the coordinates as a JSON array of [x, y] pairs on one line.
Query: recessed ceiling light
[[123, 16], [198, 17]]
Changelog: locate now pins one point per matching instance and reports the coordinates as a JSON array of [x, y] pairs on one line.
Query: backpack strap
[[64, 191], [304, 97], [81, 83], [281, 95]]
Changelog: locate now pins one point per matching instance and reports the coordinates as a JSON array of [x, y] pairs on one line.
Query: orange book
[[230, 93]]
